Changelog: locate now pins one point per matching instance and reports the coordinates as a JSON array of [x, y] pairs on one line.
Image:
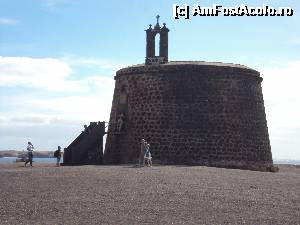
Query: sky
[[58, 59]]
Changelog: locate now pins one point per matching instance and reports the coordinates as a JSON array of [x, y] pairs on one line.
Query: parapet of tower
[[191, 112]]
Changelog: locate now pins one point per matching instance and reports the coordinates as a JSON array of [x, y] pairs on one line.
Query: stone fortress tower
[[191, 112]]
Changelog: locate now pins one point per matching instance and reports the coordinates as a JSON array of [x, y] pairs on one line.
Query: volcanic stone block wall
[[193, 113], [87, 148]]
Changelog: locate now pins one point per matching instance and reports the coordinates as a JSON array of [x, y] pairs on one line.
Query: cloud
[[90, 107], [44, 136], [93, 62], [282, 93], [99, 82], [47, 73], [53, 74], [49, 90], [38, 120], [52, 4], [51, 122], [282, 97], [8, 21]]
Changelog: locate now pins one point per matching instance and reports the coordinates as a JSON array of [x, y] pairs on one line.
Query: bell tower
[[151, 58]]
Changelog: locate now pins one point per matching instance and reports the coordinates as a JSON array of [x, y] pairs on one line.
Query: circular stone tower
[[195, 113]]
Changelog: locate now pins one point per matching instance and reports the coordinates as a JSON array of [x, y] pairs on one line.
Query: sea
[[53, 160], [36, 160]]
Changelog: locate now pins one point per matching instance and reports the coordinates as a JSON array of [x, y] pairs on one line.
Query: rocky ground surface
[[45, 194]]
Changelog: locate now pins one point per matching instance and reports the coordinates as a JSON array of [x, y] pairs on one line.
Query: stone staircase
[[87, 148]]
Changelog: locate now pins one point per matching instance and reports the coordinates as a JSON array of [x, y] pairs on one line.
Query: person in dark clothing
[[30, 153], [58, 154]]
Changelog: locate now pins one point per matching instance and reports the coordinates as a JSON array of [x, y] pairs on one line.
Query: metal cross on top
[[157, 18]]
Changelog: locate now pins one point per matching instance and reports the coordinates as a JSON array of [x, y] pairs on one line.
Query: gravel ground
[[127, 195]]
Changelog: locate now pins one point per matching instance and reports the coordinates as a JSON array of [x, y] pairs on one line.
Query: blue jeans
[[58, 161]]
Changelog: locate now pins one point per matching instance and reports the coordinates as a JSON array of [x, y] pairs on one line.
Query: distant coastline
[[18, 153], [49, 154], [286, 161]]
